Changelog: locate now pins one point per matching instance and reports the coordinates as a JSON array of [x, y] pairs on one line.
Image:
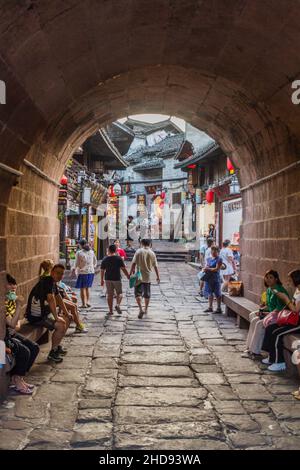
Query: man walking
[[111, 267], [145, 260]]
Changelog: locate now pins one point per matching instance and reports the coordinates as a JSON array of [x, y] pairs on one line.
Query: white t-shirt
[[296, 296], [85, 262], [225, 254], [207, 255], [145, 259]]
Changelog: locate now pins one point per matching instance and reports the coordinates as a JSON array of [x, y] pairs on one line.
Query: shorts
[[112, 286], [46, 322], [212, 288], [84, 281], [143, 290]]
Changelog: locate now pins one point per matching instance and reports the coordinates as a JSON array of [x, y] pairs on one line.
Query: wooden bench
[[239, 307], [39, 335]]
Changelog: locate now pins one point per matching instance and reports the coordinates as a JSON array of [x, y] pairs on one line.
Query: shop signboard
[[231, 220]]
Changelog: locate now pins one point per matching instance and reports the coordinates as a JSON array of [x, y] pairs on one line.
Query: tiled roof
[[149, 164], [203, 153], [166, 148]]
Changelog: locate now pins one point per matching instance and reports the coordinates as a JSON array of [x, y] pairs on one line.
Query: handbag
[[287, 317], [270, 319], [208, 277]]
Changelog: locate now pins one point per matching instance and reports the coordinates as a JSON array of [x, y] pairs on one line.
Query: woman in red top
[[120, 250]]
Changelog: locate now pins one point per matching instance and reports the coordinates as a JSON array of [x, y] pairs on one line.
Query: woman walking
[[85, 264], [213, 280], [227, 256]]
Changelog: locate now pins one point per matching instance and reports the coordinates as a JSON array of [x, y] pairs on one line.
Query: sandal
[[23, 391]]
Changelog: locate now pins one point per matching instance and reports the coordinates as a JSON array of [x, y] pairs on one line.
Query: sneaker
[[141, 314], [54, 356], [218, 310], [117, 307], [277, 367], [61, 351], [81, 328], [208, 310], [246, 354], [266, 361]]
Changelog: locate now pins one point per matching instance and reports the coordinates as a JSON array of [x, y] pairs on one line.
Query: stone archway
[[71, 67]]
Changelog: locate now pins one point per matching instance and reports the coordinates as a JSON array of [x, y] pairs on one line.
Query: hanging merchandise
[[117, 189], [198, 195], [210, 196]]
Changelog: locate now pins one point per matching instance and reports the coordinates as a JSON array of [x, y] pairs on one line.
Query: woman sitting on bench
[[273, 341], [272, 304], [23, 350]]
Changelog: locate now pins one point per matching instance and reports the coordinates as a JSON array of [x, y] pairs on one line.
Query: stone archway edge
[[271, 176], [10, 170], [40, 173]]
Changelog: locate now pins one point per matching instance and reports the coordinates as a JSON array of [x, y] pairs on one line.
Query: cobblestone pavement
[[173, 380]]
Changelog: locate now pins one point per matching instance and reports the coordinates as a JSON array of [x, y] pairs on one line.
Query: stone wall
[[270, 233], [32, 229]]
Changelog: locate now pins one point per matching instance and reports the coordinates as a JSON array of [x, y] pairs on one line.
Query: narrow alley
[[173, 380]]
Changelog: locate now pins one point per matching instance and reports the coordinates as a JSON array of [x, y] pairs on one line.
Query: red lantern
[[210, 196], [163, 195], [161, 204], [64, 180], [111, 191], [230, 166]]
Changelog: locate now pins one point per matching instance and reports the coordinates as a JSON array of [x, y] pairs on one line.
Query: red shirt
[[121, 253]]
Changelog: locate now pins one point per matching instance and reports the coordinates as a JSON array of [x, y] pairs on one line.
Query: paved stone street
[[173, 380]]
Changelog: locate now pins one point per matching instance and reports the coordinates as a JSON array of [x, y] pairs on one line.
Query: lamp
[[64, 180], [230, 166], [234, 187], [80, 176], [210, 196]]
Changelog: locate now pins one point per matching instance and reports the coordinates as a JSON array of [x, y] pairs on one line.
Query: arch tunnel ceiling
[[225, 66]]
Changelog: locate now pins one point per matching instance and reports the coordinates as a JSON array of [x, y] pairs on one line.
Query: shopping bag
[[132, 281], [200, 275]]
